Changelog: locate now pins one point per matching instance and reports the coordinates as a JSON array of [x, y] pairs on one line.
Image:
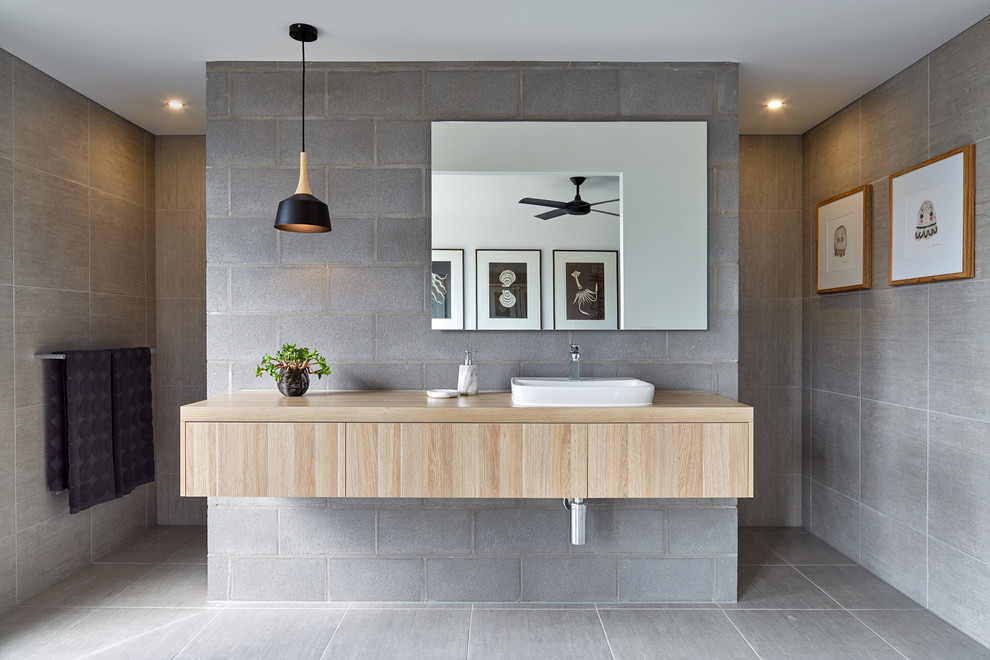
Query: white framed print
[[585, 290], [845, 237], [447, 290], [508, 287], [933, 219]]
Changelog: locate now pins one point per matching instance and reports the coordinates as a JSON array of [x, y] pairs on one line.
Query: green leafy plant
[[292, 357]]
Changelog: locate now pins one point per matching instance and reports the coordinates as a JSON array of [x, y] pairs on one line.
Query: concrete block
[[217, 94], [242, 530], [621, 531], [240, 336], [328, 142], [403, 240], [279, 578], [218, 577], [278, 289], [481, 579], [351, 240], [276, 93], [376, 192], [393, 289], [376, 579], [570, 580], [472, 94], [521, 531], [671, 91], [403, 142], [374, 94], [666, 580], [338, 337], [240, 241], [697, 531], [424, 532], [311, 531], [241, 142], [567, 94], [411, 338]]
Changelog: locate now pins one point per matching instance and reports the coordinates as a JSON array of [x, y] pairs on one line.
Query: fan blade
[[604, 202], [605, 212], [551, 214], [543, 202]]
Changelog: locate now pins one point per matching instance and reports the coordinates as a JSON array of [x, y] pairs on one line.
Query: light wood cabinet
[[669, 460], [398, 444], [281, 459], [466, 460]]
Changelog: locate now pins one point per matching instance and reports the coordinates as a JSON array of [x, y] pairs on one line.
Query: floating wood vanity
[[403, 444]]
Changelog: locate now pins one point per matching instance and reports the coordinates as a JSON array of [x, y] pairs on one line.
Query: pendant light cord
[[303, 96]]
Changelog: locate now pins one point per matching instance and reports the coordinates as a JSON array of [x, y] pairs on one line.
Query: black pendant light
[[303, 212]]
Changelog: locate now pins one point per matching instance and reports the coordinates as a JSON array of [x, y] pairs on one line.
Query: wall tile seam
[[897, 520]]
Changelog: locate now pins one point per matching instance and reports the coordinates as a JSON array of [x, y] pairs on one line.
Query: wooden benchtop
[[393, 406]]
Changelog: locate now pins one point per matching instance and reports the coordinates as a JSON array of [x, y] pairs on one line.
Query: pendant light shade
[[303, 212]]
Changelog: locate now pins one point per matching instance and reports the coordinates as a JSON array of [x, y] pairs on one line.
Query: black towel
[[56, 474], [133, 432], [89, 428]]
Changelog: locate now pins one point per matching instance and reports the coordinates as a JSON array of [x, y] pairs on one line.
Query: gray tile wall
[[180, 290], [896, 378], [358, 294], [77, 241], [770, 317]]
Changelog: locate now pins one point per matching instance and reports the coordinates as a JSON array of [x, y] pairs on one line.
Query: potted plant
[[292, 366]]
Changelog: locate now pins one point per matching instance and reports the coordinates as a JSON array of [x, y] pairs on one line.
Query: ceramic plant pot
[[293, 382]]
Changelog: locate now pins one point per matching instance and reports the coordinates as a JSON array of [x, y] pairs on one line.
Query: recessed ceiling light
[[175, 104], [775, 104]]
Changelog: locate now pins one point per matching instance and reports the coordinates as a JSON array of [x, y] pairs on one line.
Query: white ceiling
[[133, 55]]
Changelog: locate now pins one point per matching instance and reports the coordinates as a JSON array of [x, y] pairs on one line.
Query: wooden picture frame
[[447, 289], [933, 219], [845, 241], [585, 290], [508, 288]]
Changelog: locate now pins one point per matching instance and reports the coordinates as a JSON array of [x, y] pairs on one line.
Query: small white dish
[[441, 394]]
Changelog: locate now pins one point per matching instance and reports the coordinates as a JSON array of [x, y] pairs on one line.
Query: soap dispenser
[[467, 376]]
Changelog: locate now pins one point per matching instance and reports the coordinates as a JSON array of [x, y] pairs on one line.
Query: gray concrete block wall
[[470, 550], [895, 378], [77, 271], [358, 294]]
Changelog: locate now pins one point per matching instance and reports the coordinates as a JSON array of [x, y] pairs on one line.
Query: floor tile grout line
[[339, 622], [601, 622], [745, 639], [881, 637], [37, 653], [835, 600], [100, 651], [467, 653]]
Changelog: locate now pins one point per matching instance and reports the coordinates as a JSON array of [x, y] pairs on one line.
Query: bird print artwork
[[583, 296]]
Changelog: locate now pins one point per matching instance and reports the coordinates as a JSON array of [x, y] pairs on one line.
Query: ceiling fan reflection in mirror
[[576, 206]]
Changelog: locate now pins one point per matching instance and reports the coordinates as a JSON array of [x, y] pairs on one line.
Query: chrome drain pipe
[[579, 518]]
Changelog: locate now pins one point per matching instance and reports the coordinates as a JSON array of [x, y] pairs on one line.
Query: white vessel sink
[[583, 392]]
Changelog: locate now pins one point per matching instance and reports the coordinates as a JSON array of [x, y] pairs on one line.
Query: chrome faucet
[[575, 370]]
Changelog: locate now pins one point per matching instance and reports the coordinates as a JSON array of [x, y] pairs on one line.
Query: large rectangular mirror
[[570, 225]]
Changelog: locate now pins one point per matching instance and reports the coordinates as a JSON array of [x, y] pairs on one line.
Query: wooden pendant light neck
[[303, 187]]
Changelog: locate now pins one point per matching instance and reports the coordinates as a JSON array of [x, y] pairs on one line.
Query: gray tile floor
[[799, 598]]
